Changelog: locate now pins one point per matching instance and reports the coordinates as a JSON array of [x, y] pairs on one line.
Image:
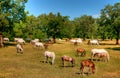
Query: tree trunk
[[117, 38], [54, 39], [117, 41]]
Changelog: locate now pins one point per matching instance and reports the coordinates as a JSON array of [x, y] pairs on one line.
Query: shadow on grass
[[46, 62], [114, 48], [6, 44], [85, 73], [66, 66], [107, 44]]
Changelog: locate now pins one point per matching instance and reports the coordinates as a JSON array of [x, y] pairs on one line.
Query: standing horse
[[39, 45], [102, 56], [49, 54], [100, 53], [19, 48], [82, 51], [87, 63], [93, 42], [69, 59]]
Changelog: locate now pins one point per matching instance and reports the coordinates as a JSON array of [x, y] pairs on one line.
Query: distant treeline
[[15, 22]]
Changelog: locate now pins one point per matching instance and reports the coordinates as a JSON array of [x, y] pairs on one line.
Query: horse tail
[[81, 65], [108, 57], [53, 57]]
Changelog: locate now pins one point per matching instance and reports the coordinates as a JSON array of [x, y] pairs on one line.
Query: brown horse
[[46, 45], [82, 51], [69, 59], [87, 63]]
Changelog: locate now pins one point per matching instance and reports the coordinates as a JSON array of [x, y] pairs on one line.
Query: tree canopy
[[15, 22]]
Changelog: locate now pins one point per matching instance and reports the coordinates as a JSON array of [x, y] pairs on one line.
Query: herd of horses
[[101, 54]]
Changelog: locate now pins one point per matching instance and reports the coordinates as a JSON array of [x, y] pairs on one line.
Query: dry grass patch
[[30, 65]]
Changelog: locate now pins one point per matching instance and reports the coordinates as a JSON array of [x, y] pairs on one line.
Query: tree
[[110, 19], [84, 26], [55, 25], [116, 25], [11, 11]]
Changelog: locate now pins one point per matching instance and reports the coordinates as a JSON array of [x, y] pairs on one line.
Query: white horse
[[21, 41], [92, 42], [49, 54], [6, 39], [39, 45], [76, 41], [34, 41], [19, 48], [100, 53]]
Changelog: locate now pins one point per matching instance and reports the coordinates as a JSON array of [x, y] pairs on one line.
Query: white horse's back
[[39, 44], [98, 51], [92, 42]]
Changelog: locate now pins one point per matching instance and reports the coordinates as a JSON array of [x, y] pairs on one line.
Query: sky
[[71, 8]]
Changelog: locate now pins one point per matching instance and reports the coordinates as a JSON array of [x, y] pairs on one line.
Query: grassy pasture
[[30, 64]]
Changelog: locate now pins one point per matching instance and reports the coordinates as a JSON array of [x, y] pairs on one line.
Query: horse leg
[[83, 53], [46, 59], [92, 57], [17, 50], [81, 69], [72, 63], [52, 60], [63, 62], [89, 70], [77, 53]]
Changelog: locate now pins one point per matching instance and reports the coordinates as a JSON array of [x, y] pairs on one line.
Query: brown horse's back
[[69, 59], [66, 58], [87, 63], [82, 51]]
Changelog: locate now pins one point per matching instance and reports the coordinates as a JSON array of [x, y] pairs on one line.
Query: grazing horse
[[93, 42], [69, 59], [6, 39], [49, 54], [76, 41], [87, 63], [82, 51], [100, 53], [19, 48], [39, 45]]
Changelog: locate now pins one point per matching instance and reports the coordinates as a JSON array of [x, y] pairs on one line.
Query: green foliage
[[14, 22], [11, 11], [110, 20], [84, 26]]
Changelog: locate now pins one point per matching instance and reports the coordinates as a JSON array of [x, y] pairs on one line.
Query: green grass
[[30, 65]]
